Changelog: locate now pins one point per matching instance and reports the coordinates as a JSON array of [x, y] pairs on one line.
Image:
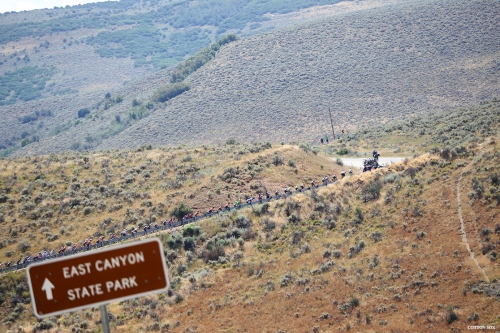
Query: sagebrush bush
[[328, 222], [451, 316], [376, 236], [286, 279], [268, 225], [343, 151], [24, 245], [372, 191], [243, 222], [277, 160], [391, 178]]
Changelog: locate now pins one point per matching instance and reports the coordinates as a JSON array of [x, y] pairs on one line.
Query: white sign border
[[84, 254]]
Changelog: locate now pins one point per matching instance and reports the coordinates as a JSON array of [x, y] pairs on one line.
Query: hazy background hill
[[71, 57], [368, 66], [101, 45]]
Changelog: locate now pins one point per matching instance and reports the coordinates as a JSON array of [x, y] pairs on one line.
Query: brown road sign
[[96, 278]]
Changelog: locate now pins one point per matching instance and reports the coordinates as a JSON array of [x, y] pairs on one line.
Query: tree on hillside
[[180, 211], [169, 91], [83, 112], [203, 56]]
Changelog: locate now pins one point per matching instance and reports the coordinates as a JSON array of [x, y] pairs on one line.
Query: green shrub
[[213, 253], [175, 241], [371, 191], [451, 316], [52, 237], [391, 178], [181, 210], [83, 112], [305, 147], [169, 91], [474, 317], [26, 83], [277, 160], [411, 171], [328, 222], [237, 257], [24, 245], [243, 222], [354, 301], [268, 225], [191, 231], [189, 244], [194, 62], [376, 236], [343, 151], [286, 279], [75, 146], [359, 214], [43, 325]]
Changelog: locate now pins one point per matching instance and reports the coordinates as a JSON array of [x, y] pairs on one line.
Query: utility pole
[[331, 122]]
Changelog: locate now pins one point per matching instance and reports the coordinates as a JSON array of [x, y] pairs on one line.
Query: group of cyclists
[[267, 195], [88, 243]]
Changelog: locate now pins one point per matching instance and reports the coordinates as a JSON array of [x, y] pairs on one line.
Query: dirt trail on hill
[[462, 227]]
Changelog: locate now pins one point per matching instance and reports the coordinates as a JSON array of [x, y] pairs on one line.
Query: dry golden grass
[[445, 275], [407, 281], [201, 189]]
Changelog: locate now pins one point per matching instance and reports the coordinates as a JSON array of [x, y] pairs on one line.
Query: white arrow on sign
[[47, 287]]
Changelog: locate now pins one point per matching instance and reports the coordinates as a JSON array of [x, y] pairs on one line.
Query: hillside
[[128, 35], [64, 59], [368, 67], [396, 241]]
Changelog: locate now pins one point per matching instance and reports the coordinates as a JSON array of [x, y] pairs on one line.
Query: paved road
[[358, 162]]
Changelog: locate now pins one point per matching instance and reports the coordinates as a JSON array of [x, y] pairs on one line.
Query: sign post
[[104, 318], [97, 278]]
